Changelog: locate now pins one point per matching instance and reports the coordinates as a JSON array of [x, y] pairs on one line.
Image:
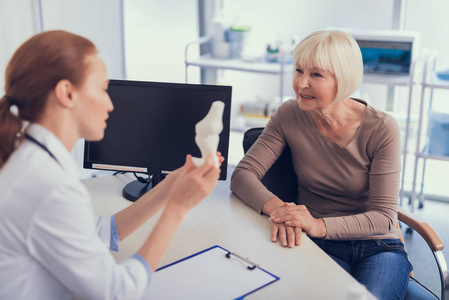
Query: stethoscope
[[32, 139]]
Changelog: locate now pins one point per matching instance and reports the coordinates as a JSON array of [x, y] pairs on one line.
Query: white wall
[[272, 20], [100, 21], [156, 33], [431, 19], [16, 25]]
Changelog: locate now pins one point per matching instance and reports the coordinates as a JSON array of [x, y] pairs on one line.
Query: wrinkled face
[[93, 103], [314, 88]]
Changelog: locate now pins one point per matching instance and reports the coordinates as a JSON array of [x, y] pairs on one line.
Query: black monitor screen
[[152, 126], [386, 57]]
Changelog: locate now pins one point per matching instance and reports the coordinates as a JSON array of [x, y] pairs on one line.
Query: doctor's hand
[[192, 184], [165, 185], [163, 188], [298, 216], [220, 158]]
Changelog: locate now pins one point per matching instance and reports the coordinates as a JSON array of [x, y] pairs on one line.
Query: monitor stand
[[135, 189]]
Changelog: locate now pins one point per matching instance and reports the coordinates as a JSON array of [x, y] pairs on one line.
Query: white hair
[[334, 51]]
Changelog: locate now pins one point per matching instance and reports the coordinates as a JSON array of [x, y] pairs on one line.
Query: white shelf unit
[[430, 82], [208, 62]]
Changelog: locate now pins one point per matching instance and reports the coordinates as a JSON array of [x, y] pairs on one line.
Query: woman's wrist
[[175, 210], [271, 205], [321, 229], [157, 242]]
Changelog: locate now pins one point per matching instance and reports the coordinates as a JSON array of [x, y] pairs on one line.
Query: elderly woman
[[346, 156]]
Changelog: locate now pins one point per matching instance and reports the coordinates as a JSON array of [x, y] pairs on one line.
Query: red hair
[[32, 73]]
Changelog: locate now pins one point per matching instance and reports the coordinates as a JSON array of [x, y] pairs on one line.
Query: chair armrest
[[425, 230], [435, 243]]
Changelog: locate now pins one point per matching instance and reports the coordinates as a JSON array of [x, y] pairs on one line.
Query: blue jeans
[[380, 265]]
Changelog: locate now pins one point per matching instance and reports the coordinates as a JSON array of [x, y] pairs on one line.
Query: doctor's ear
[[64, 93]]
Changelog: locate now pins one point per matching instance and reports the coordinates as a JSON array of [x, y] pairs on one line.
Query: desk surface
[[306, 272]]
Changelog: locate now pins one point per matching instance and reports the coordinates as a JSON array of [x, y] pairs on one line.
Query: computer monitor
[[386, 57], [387, 52], [152, 129]]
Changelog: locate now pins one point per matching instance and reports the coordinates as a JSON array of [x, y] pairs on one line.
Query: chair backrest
[[281, 177]]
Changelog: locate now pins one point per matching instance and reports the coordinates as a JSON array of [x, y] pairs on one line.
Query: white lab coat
[[50, 246]]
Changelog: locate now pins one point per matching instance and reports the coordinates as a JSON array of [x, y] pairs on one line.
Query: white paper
[[208, 275]]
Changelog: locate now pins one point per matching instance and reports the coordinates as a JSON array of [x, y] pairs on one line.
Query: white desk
[[306, 272]]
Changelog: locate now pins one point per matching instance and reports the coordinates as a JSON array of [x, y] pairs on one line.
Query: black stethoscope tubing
[[32, 139]]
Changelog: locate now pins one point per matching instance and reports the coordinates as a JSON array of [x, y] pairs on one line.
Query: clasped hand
[[289, 221]]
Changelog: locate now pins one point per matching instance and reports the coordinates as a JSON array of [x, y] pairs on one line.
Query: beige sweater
[[354, 189]]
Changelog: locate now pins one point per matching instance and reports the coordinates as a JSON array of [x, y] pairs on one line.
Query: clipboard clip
[[251, 266]]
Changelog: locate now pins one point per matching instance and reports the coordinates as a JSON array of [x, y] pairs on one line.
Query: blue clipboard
[[214, 273]]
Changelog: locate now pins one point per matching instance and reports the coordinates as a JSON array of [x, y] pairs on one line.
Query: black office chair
[[281, 178], [281, 181]]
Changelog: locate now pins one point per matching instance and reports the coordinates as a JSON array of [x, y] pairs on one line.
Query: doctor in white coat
[[51, 245]]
